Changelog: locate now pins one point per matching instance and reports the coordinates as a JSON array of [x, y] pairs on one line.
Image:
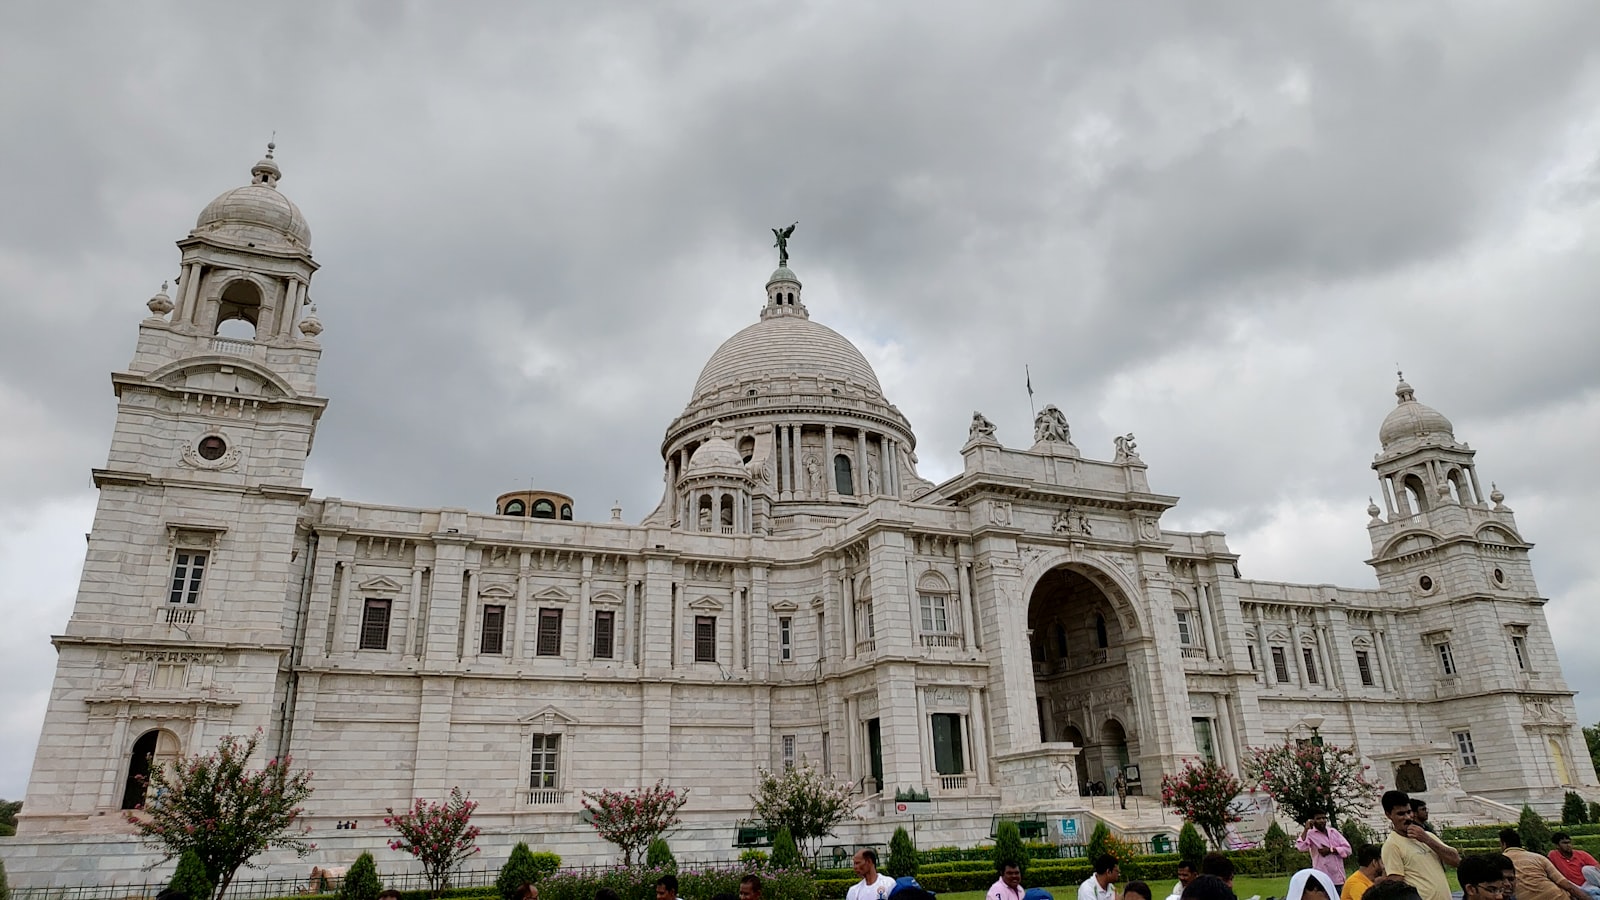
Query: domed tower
[[714, 490], [804, 415], [195, 543]]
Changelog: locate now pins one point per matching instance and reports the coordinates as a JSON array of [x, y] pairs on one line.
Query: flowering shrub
[[223, 811], [1304, 777], [439, 835], [639, 883], [805, 800], [632, 819], [1203, 793]]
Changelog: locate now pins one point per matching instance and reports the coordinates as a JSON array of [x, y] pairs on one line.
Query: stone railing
[[233, 347], [953, 782], [546, 796], [1194, 653], [944, 640], [866, 646]]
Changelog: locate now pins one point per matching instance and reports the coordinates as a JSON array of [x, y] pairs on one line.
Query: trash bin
[[1161, 844]]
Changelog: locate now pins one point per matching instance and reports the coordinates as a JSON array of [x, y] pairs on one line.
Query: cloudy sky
[[1219, 226]]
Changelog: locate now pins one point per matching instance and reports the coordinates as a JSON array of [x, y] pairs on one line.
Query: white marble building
[[801, 593]]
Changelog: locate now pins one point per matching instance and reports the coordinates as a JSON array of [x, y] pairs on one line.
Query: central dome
[[257, 212], [785, 345]]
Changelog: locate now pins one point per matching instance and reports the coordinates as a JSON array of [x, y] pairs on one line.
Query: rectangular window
[[947, 748], [1203, 740], [188, 569], [1364, 666], [827, 757], [1280, 665], [1447, 658], [1185, 630], [1310, 656], [705, 639], [872, 625], [934, 620], [1519, 648], [546, 757], [1255, 664], [605, 633], [786, 638], [549, 643], [493, 639], [168, 676], [375, 625], [788, 751], [1465, 752]]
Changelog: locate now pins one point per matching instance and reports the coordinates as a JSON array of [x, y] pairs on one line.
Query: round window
[[212, 447], [1425, 582], [1499, 577]]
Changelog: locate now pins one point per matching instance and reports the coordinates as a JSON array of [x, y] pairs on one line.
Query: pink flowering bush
[[1203, 793], [222, 810], [632, 819], [805, 800], [1303, 777], [440, 835]]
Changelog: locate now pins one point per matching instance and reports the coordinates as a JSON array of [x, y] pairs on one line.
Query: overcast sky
[[1219, 226]]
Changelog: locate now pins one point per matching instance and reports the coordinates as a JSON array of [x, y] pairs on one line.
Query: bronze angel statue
[[782, 234]]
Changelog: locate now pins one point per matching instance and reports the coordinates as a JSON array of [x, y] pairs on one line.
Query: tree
[[902, 855], [659, 855], [440, 835], [361, 880], [1191, 845], [223, 810], [632, 819], [8, 816], [785, 855], [1203, 794], [1098, 839], [1303, 777], [1573, 810], [807, 802], [1591, 736], [520, 869], [1009, 849], [1277, 844], [1535, 832], [5, 889], [190, 879]]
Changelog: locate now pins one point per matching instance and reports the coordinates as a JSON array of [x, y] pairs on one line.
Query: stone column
[[187, 298], [413, 613], [831, 491], [1208, 628], [797, 446], [760, 623], [862, 463], [1002, 626], [930, 771], [472, 640], [519, 634], [980, 735], [116, 761], [898, 712], [586, 611], [342, 603], [1299, 659]]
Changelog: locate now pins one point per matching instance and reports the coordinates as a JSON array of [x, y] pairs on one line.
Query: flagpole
[[1029, 375]]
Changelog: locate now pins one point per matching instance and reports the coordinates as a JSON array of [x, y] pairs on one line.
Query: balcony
[[1194, 653], [953, 641], [231, 347], [545, 797], [866, 646], [179, 616], [953, 783]]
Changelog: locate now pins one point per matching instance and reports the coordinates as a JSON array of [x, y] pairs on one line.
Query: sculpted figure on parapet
[[982, 429], [1051, 425]]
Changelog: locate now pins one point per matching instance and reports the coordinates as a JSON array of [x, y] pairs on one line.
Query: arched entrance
[[1079, 642], [154, 747]]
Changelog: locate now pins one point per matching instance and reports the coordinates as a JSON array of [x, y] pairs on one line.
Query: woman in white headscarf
[[1309, 884]]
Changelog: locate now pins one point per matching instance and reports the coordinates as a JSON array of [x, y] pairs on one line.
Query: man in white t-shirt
[[1099, 885], [873, 886]]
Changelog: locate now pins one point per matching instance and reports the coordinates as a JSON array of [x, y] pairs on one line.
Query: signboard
[[913, 808], [1069, 831]]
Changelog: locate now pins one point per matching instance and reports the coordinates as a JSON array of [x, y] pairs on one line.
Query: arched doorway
[[154, 747], [1080, 635]]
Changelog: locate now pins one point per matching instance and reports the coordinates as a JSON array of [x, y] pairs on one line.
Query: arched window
[[239, 309], [842, 480], [704, 517], [1417, 492], [1458, 487], [544, 509], [747, 445], [153, 748], [726, 515], [1061, 642], [566, 512], [516, 508], [1101, 640]]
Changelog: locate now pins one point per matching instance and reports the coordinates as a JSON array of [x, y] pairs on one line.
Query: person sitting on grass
[[1136, 890], [1369, 868], [1218, 864], [1311, 884], [1208, 887], [1188, 870], [1099, 885]]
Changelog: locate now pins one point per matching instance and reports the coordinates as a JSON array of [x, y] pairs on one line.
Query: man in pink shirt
[[1327, 847], [1009, 887], [1572, 863]]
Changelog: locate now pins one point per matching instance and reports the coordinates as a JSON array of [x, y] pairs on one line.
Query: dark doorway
[[875, 752], [144, 750]]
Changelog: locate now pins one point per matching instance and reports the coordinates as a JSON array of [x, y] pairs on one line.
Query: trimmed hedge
[[639, 884]]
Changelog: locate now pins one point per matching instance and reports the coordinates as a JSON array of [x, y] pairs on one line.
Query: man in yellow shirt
[[1369, 869], [1413, 854]]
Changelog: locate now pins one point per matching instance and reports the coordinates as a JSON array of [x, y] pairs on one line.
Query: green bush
[[1535, 832], [361, 880], [659, 856], [1097, 842], [639, 884], [902, 855], [1573, 810], [1357, 833], [1008, 849], [753, 858], [1278, 845], [520, 869], [190, 878], [1190, 844], [1594, 814], [785, 855]]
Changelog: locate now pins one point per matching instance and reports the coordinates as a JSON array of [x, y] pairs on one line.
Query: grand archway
[[1080, 638]]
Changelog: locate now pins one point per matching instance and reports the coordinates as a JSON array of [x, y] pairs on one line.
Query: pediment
[[933, 583], [1362, 642], [1413, 541], [222, 374], [606, 598], [549, 712], [708, 604], [553, 595], [1495, 534], [817, 602], [785, 606], [498, 592], [1278, 637], [382, 584]]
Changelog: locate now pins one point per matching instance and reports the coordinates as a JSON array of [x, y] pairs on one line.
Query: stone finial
[[1496, 497], [616, 511], [160, 304], [311, 326], [1374, 511]]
